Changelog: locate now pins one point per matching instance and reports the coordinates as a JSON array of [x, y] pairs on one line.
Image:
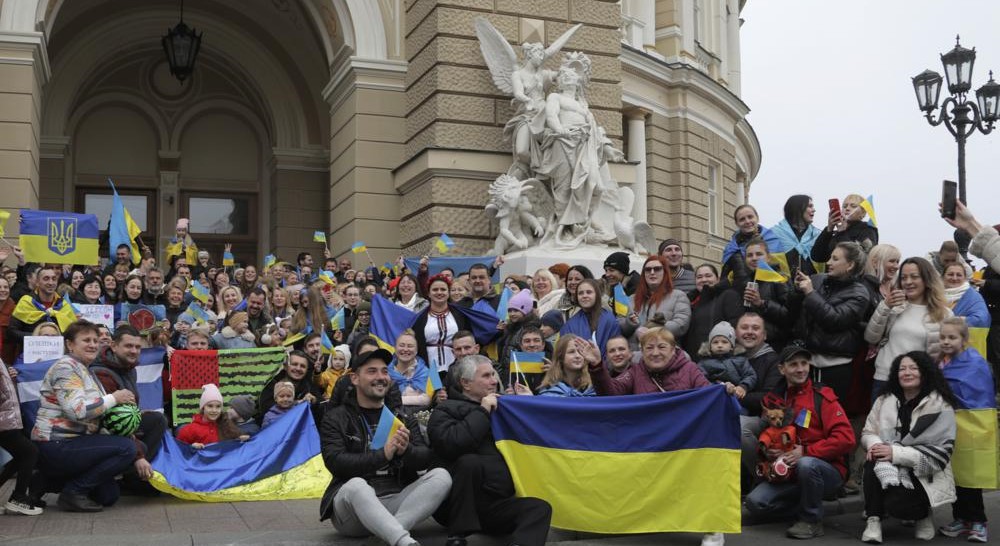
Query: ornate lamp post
[[962, 117], [181, 45]]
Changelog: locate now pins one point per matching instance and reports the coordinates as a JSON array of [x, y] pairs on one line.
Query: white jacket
[[986, 245]]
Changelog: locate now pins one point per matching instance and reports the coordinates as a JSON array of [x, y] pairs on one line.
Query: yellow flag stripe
[[306, 481]]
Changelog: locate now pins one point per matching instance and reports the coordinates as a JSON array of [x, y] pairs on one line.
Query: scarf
[[785, 234], [30, 311], [932, 433], [955, 294]]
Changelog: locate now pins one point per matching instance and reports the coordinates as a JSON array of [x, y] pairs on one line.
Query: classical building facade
[[374, 120]]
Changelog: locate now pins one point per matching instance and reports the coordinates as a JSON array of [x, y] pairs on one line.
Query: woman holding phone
[[844, 225]]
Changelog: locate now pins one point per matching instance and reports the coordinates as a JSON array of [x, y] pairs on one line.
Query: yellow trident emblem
[[62, 235]]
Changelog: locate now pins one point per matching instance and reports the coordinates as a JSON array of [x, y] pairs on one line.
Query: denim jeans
[[88, 464], [803, 498]]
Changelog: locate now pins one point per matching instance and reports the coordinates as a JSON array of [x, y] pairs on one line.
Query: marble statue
[[558, 144]]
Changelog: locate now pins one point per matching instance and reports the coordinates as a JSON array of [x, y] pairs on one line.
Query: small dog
[[780, 434]]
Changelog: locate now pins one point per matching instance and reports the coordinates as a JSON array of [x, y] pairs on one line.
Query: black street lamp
[[962, 117], [181, 44]]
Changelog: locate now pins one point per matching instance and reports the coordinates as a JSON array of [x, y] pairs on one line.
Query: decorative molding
[[300, 159], [53, 147], [34, 42], [349, 71]]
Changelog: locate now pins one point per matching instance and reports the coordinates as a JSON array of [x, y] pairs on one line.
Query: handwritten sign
[[98, 314], [38, 348]]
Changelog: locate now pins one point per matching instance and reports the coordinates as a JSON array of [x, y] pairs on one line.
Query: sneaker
[[804, 530], [851, 487], [21, 506], [924, 529], [978, 532], [873, 531], [956, 528], [713, 539]]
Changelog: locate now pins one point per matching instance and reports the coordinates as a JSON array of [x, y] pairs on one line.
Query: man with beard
[[376, 491]]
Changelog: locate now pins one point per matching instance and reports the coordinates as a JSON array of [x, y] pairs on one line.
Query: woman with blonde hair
[[545, 289], [910, 318], [568, 375], [229, 297], [845, 225], [311, 315], [881, 270], [281, 305]]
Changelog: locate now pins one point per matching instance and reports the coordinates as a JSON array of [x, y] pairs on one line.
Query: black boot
[[71, 502]]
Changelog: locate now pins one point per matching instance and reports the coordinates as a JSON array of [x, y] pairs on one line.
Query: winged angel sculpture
[[557, 141]]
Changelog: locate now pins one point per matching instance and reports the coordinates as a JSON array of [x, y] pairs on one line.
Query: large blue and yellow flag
[[29, 311], [59, 237], [388, 322], [976, 457], [278, 463], [652, 463]]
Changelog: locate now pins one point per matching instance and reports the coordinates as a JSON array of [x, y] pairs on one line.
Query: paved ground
[[168, 521]]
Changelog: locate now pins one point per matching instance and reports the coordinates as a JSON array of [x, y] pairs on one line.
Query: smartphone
[[750, 284], [949, 191], [834, 204]]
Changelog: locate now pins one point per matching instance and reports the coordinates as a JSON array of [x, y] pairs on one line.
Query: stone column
[[24, 71], [637, 152]]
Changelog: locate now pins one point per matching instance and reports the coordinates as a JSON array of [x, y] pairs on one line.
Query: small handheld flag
[[319, 237], [358, 247], [270, 260], [388, 424], [869, 207], [198, 314], [444, 244], [228, 259], [327, 347], [433, 381], [621, 301], [803, 419], [766, 273], [199, 291], [326, 277], [4, 216], [524, 362], [504, 302], [338, 321]]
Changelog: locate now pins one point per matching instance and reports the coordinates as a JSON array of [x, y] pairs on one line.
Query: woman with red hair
[[655, 303]]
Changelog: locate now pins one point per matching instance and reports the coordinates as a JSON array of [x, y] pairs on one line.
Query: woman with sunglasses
[[655, 295]]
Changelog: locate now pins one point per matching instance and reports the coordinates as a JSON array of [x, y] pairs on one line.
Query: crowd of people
[[848, 363]]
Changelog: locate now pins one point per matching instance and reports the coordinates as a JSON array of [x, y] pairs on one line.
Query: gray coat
[[10, 409]]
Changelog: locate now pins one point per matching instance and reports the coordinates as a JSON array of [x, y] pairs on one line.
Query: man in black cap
[[671, 251], [819, 459], [617, 270], [376, 491]]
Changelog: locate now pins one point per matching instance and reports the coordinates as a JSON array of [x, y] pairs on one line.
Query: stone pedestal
[[526, 262]]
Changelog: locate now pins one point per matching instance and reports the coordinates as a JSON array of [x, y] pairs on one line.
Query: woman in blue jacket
[[965, 300]]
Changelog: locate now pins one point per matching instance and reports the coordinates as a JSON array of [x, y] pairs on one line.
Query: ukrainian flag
[[319, 237], [358, 247], [523, 362], [59, 237], [503, 313], [444, 243], [199, 291], [270, 260], [327, 345], [977, 456], [122, 229], [388, 424], [433, 382], [338, 321], [667, 462], [621, 301], [388, 321], [279, 463], [766, 273], [869, 207]]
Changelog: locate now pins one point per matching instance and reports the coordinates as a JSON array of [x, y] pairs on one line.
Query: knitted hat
[[344, 351], [283, 386], [553, 319], [209, 393], [364, 307], [236, 318], [668, 242], [243, 405], [203, 254], [183, 223], [725, 330], [619, 261], [522, 302]]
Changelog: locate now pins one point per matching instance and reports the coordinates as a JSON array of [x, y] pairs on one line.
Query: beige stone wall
[[679, 153], [298, 209], [20, 112], [452, 103]]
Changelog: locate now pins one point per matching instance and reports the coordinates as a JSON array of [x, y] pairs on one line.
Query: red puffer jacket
[[199, 431], [827, 436]]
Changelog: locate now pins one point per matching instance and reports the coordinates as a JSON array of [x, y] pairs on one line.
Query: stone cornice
[[352, 71], [34, 42]]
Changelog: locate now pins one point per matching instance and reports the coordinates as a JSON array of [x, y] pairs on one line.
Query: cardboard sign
[[98, 314], [39, 348]]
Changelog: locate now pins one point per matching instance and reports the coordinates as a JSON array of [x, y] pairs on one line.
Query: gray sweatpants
[[358, 512]]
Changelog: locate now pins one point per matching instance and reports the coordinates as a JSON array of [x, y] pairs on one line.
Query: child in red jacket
[[212, 424]]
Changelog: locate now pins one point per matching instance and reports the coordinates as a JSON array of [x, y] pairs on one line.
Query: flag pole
[[511, 373]]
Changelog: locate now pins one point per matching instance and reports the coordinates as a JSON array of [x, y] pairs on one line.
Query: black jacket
[[345, 440], [834, 315], [708, 308], [765, 363], [859, 232], [460, 426], [778, 318]]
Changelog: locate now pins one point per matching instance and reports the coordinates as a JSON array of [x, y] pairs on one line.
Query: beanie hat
[[209, 393], [344, 351], [522, 302], [668, 242], [236, 318], [243, 405], [363, 307], [553, 319], [725, 330], [183, 223], [283, 386], [619, 261], [203, 254]]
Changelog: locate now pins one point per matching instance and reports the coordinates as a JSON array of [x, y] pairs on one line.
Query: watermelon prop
[[122, 420]]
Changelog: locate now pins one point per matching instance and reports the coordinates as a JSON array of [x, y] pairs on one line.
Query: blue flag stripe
[[623, 424], [36, 222]]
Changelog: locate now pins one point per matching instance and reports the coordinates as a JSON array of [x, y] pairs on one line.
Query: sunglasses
[[654, 269]]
